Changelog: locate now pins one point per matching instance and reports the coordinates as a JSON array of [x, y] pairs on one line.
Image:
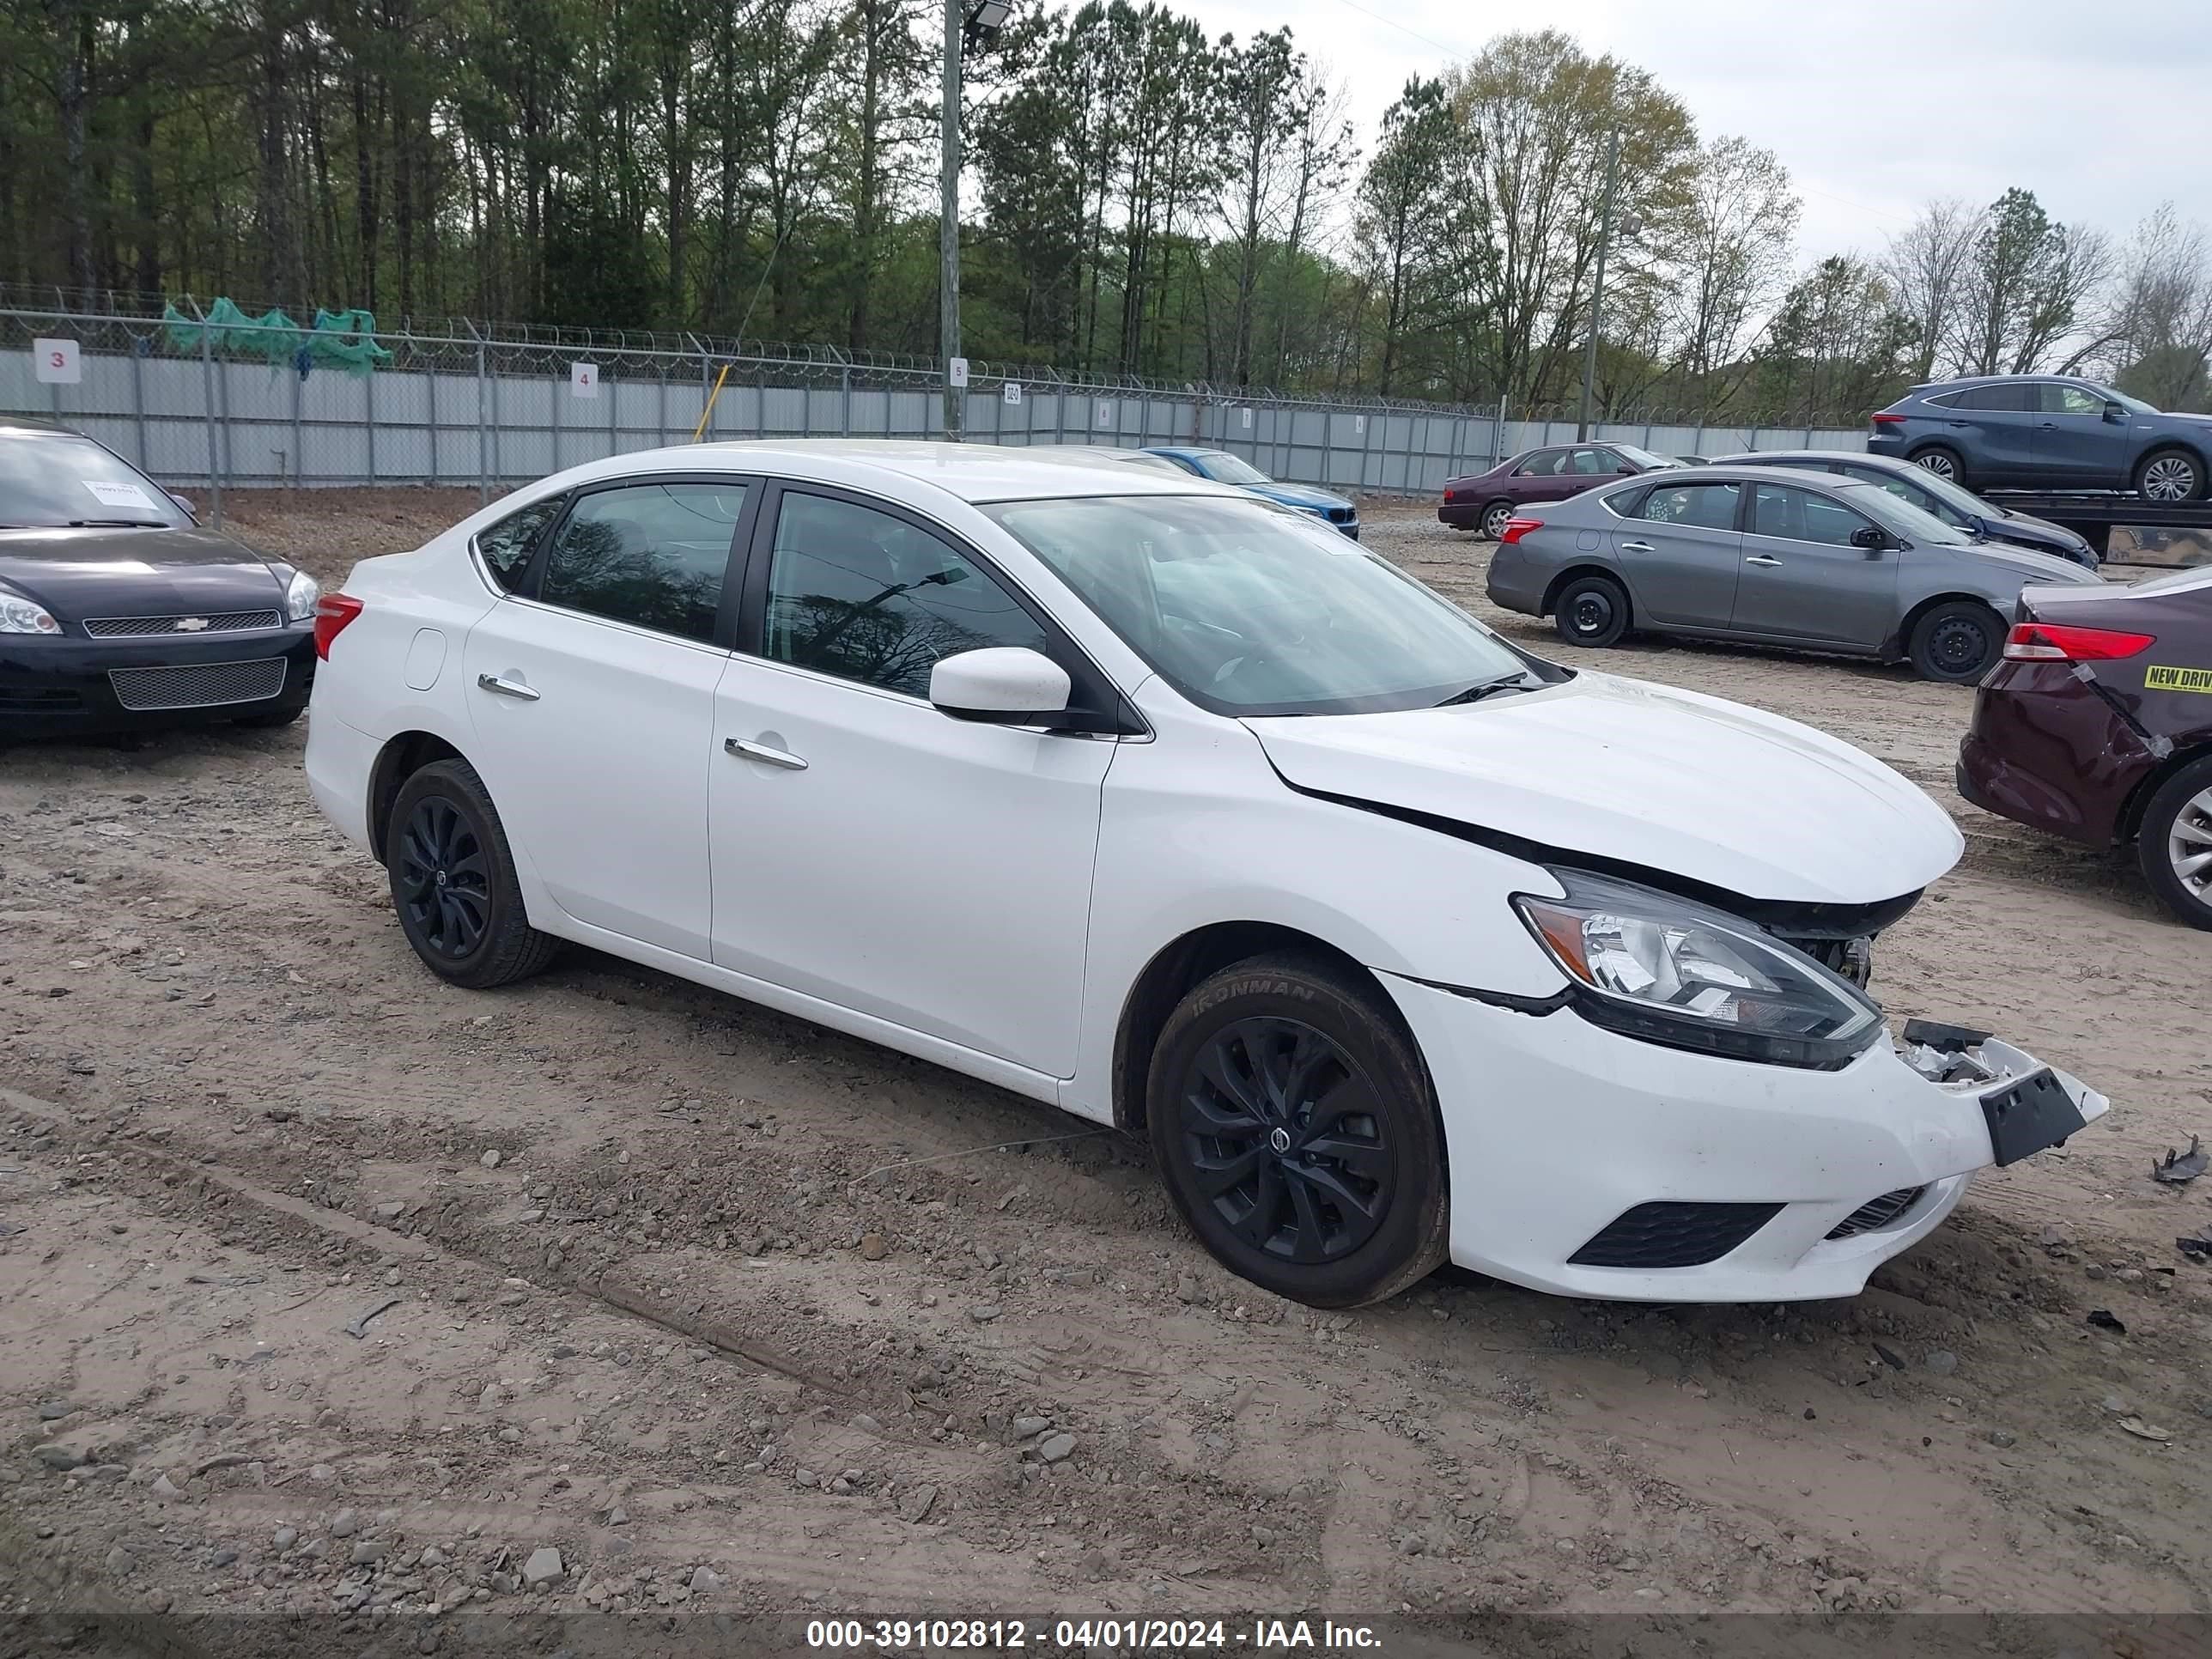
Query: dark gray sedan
[[1770, 556]]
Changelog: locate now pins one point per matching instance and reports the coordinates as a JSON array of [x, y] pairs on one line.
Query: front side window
[[868, 597], [1247, 611], [2071, 400], [1593, 463], [1696, 506], [49, 480], [506, 547], [654, 555], [1798, 515]]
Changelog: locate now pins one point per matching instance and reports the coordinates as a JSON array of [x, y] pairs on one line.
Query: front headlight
[[20, 616], [1650, 965], [300, 597]]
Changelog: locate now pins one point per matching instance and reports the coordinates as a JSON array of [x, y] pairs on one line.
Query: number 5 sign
[[57, 363]]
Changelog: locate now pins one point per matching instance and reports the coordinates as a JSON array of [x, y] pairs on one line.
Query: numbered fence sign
[[1105, 413], [583, 379], [57, 362], [956, 372], [1247, 418], [1012, 394]]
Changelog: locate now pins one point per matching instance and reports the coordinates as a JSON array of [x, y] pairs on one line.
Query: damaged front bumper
[[1590, 1164]]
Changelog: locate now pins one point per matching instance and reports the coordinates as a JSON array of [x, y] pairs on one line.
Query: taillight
[[2037, 641], [1887, 419], [1515, 529], [332, 612], [1451, 498]]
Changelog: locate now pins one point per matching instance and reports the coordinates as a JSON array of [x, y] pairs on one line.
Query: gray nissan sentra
[[1770, 556]]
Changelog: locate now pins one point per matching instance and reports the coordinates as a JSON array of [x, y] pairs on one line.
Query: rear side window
[[653, 555], [1945, 400], [2014, 398], [1543, 464], [506, 547], [1703, 506]]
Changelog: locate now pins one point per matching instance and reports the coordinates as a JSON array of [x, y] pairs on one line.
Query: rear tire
[[2177, 828], [454, 884], [1956, 641], [1943, 461], [1493, 520], [2169, 475], [1591, 611], [1296, 1130]]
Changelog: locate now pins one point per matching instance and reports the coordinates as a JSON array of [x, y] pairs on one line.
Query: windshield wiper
[[1481, 689], [117, 524]]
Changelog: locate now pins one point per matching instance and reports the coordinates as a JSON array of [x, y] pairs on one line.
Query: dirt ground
[[736, 1314]]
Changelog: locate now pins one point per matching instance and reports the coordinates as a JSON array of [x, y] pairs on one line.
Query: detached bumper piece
[[1673, 1235], [2030, 1109]]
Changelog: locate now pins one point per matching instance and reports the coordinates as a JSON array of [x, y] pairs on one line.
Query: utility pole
[[948, 233], [1597, 289]]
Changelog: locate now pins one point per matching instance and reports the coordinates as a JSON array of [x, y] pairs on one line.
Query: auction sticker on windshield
[[119, 494], [2177, 679]]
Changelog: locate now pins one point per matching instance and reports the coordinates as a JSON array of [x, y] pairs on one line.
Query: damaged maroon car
[[2097, 725]]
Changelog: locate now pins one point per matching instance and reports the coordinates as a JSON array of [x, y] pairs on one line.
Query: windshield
[[1902, 519], [1225, 468], [50, 479], [1249, 611], [1643, 457], [1966, 505], [2133, 405]]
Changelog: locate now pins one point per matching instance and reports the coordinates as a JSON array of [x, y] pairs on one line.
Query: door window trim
[[527, 590], [1091, 687]]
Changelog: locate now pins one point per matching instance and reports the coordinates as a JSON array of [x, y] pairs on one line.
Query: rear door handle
[[506, 688], [1636, 547], [1760, 558], [744, 749]]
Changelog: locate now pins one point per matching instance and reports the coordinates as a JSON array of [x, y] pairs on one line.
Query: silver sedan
[[1770, 556]]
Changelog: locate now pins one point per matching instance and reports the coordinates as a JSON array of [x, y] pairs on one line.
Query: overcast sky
[[2102, 108]]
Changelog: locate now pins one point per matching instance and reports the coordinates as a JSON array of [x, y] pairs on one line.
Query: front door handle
[[744, 749], [506, 688], [1761, 558], [1636, 547]]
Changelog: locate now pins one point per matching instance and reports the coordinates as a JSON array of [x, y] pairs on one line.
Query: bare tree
[[1731, 260], [1926, 269], [2157, 334]]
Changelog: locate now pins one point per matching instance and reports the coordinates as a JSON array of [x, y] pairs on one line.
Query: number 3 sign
[[57, 363]]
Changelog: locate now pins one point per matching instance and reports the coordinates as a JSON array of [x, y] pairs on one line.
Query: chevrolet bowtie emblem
[[190, 624]]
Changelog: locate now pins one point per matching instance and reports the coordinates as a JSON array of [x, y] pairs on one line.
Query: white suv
[[1144, 797]]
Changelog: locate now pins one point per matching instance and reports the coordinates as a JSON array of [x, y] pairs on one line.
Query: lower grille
[[1673, 1235], [1876, 1213], [41, 702], [228, 622], [203, 685]]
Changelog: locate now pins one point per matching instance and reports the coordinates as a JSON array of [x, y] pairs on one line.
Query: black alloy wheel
[[1297, 1130], [1282, 1131], [443, 881], [454, 883]]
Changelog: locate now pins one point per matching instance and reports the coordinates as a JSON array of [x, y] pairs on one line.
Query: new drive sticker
[[2177, 679], [118, 494]]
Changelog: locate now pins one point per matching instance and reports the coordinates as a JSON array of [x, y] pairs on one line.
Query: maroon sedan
[[2097, 725], [1484, 500]]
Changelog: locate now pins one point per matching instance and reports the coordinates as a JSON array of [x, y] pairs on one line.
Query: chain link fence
[[469, 404]]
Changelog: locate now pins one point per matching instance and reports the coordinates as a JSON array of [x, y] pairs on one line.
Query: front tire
[[1591, 611], [1295, 1129], [2174, 844], [454, 884], [1956, 642], [2169, 475], [1494, 519]]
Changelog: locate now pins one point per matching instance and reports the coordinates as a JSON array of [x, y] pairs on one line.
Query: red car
[[1484, 500], [2097, 725]]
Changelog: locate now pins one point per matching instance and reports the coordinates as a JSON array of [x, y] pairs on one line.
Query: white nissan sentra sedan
[[1142, 797]]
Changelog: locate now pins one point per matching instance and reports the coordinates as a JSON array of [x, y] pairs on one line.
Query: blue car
[[2047, 431], [1222, 467]]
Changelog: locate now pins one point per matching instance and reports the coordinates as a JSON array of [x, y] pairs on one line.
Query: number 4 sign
[[57, 362], [583, 379]]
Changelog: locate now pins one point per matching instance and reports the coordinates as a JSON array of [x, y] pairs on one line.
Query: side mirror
[[1867, 536], [2117, 413], [185, 506], [1000, 685]]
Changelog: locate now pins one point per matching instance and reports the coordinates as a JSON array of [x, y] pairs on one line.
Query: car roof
[[1759, 458], [1717, 473], [970, 472], [1959, 381]]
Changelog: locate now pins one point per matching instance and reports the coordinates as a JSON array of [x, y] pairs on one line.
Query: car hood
[[1707, 791], [128, 573], [1297, 495], [2038, 531], [2043, 567]]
